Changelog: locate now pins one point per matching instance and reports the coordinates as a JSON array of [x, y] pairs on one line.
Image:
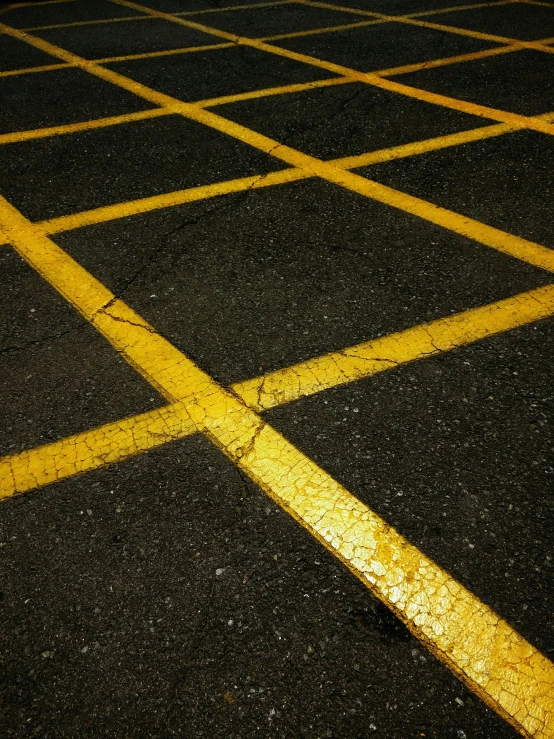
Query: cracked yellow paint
[[119, 440], [476, 644]]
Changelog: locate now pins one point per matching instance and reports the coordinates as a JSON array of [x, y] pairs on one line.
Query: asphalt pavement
[[276, 349]]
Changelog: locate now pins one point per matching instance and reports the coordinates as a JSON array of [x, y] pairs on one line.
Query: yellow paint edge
[[482, 649]]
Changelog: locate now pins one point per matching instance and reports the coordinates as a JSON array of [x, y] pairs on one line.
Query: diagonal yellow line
[[163, 52], [468, 6], [179, 197], [117, 441], [68, 128], [475, 643], [32, 70], [515, 246]]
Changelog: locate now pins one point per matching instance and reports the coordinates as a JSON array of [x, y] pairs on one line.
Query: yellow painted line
[[86, 23], [32, 70], [453, 8], [39, 133], [446, 61], [91, 450], [248, 6], [269, 91], [477, 645], [167, 200], [318, 31], [389, 71], [117, 441], [164, 52], [388, 352], [515, 246], [368, 78]]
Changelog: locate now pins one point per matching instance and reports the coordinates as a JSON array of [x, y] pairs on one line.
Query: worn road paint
[[515, 246], [500, 666], [122, 439]]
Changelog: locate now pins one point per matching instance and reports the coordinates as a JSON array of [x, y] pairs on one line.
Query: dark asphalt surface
[[167, 596]]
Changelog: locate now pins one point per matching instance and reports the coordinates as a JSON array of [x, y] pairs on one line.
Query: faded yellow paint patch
[[482, 649], [119, 440]]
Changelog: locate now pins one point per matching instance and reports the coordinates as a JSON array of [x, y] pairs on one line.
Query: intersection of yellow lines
[[477, 645]]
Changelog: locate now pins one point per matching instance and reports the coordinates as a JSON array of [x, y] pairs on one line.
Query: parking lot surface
[[276, 357]]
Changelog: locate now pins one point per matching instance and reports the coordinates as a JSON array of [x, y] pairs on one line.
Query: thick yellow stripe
[[100, 21], [33, 70], [164, 52], [117, 441], [40, 133], [145, 205], [167, 200], [469, 6], [318, 31], [476, 644]]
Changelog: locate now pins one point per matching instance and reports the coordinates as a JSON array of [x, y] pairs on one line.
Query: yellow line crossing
[[119, 440]]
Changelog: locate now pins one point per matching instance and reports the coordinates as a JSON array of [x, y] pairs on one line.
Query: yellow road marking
[[164, 52], [167, 200], [515, 246], [143, 17], [469, 6], [477, 645], [31, 70], [230, 8], [39, 133], [179, 197], [99, 21], [120, 440], [316, 31], [269, 91]]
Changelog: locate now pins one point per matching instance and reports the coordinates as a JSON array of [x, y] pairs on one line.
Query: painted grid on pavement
[[484, 651]]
